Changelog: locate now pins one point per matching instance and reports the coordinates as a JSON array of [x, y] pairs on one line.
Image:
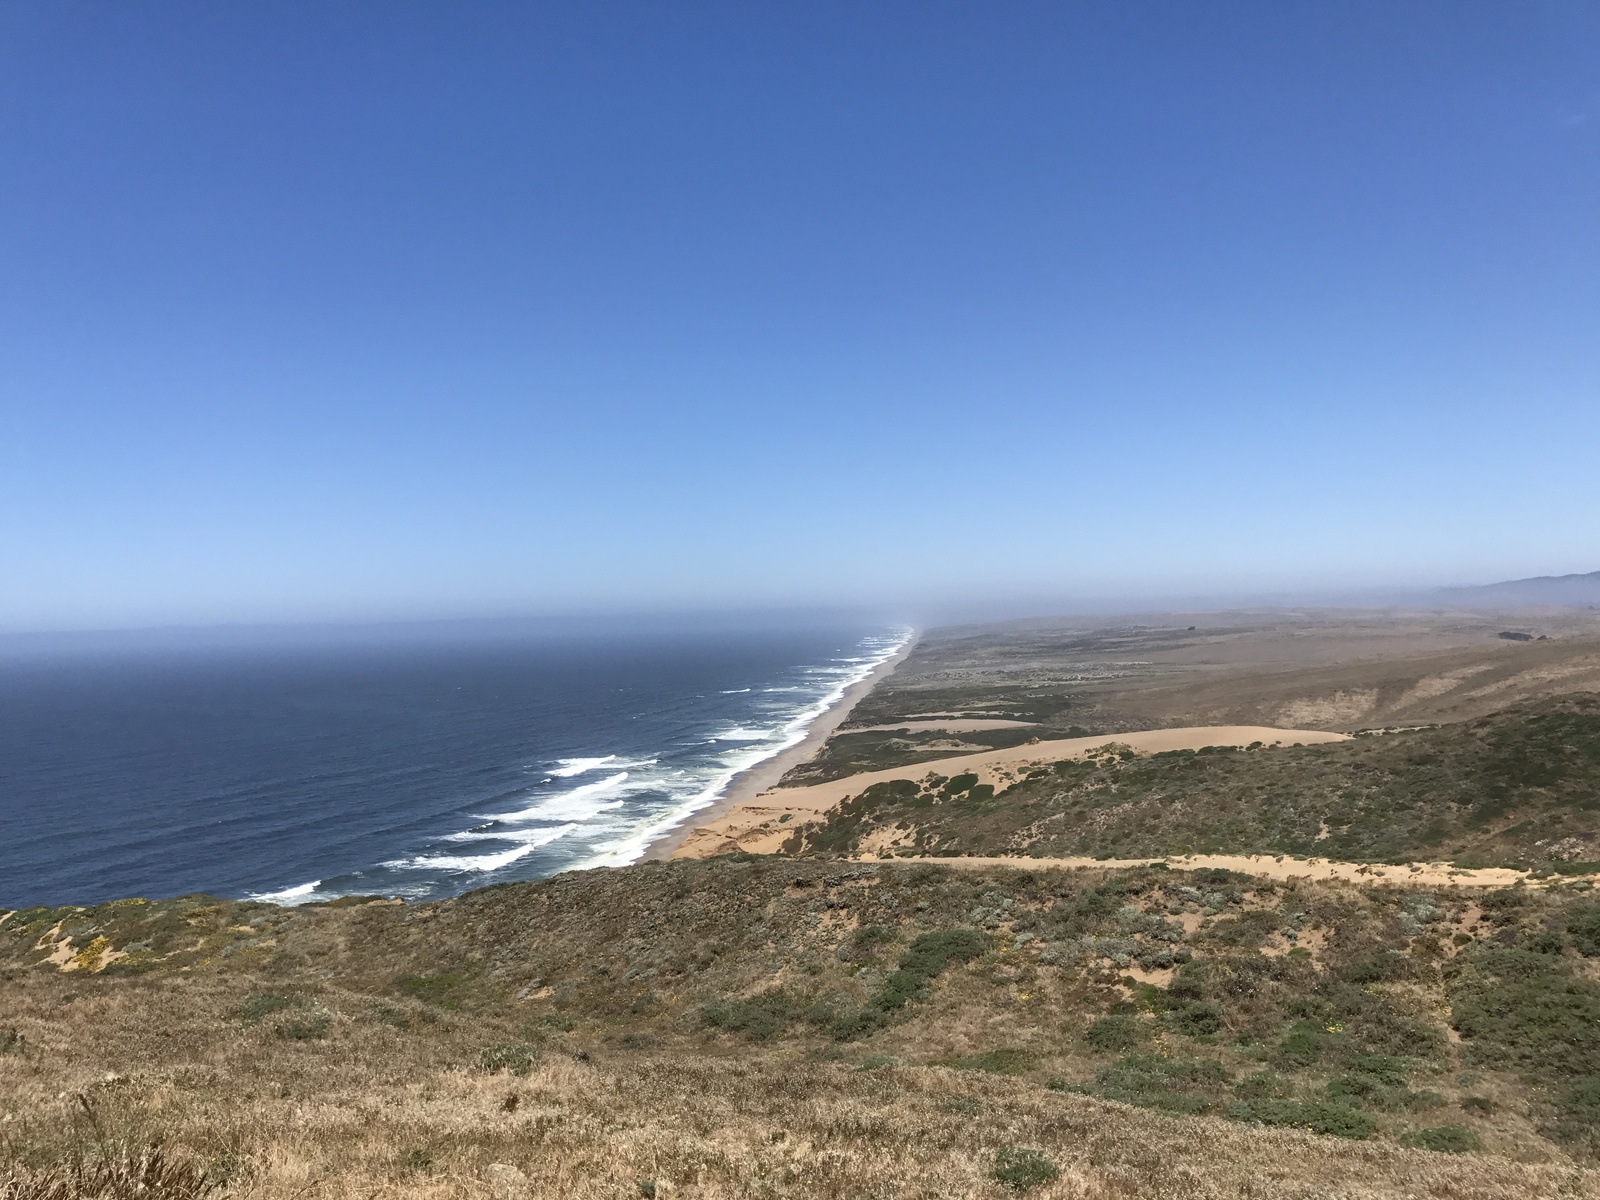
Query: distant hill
[[1556, 591]]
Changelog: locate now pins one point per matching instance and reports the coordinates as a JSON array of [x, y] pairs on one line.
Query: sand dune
[[759, 824]]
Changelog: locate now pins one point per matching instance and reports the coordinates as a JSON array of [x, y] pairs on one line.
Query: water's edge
[[762, 776]]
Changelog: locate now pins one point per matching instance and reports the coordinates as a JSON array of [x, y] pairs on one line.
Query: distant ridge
[[1556, 591]]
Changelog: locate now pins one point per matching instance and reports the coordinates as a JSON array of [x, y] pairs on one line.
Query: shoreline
[[764, 776]]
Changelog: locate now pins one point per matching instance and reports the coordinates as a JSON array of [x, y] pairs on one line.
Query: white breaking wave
[[298, 894], [579, 802], [741, 734], [483, 862], [577, 766]]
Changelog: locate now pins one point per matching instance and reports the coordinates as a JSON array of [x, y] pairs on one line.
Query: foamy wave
[[579, 802], [577, 766], [741, 734], [298, 894], [483, 862]]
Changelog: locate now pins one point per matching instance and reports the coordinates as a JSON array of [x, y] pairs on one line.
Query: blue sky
[[329, 310]]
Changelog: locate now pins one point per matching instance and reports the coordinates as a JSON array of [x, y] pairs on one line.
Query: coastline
[[764, 776]]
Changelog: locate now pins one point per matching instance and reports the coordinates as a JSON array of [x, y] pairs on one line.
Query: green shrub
[[1525, 1011], [1383, 1067], [537, 1027], [1021, 1169], [1583, 924], [264, 1004], [438, 989], [306, 1029], [11, 1042], [1579, 1108], [1264, 1085], [848, 1024], [1450, 1139], [761, 1018], [1119, 1031], [1151, 1081], [516, 1057], [925, 959], [1201, 1019], [1337, 1120], [1009, 1061], [1303, 1046]]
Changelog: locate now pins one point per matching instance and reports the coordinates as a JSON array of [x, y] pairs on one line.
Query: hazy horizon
[[364, 313]]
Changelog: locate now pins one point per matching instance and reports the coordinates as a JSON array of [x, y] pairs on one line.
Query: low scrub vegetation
[[1520, 788], [711, 1021]]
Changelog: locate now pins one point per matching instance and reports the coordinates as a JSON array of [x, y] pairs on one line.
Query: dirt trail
[[761, 823], [1267, 866]]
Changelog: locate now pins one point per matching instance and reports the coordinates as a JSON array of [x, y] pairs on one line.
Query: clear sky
[[317, 309]]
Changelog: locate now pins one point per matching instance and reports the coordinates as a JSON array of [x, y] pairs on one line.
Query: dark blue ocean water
[[403, 768]]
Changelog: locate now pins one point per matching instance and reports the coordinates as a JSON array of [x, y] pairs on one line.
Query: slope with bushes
[[818, 1030], [1520, 788]]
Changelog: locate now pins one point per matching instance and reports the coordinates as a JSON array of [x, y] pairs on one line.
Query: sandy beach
[[760, 821], [764, 775]]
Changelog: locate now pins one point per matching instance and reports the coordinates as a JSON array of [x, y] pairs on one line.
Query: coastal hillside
[[1518, 788], [767, 1026]]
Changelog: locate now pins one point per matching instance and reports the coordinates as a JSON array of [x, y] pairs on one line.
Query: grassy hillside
[[760, 1026], [1518, 788]]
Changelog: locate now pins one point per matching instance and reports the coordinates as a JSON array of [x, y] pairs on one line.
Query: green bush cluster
[[1019, 1168], [310, 1028], [1451, 1139], [1171, 1085], [1526, 1010], [517, 1057], [1005, 1061], [760, 1018]]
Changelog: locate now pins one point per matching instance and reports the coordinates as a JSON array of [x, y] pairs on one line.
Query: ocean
[[420, 769]]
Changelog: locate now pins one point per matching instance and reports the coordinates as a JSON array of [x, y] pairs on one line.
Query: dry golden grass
[[353, 1117], [385, 1095]]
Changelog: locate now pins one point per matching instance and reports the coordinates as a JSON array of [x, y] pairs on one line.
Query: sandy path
[[758, 822], [759, 778], [1267, 866], [953, 725]]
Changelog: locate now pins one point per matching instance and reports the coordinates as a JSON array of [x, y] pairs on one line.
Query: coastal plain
[[1238, 905]]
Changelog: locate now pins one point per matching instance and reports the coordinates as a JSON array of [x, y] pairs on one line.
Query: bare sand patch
[[761, 823]]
